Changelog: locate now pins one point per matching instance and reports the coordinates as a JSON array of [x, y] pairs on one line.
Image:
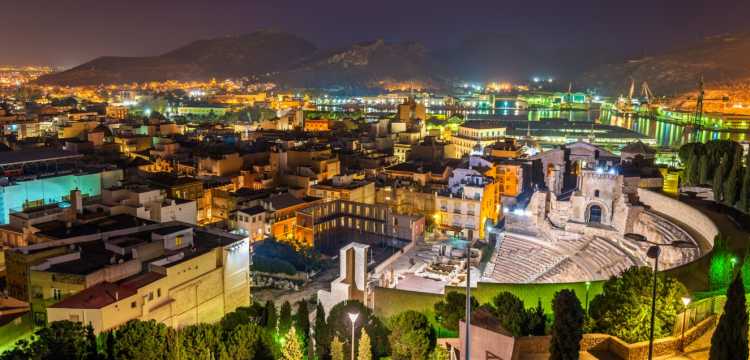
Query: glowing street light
[[653, 252], [353, 318], [686, 302]]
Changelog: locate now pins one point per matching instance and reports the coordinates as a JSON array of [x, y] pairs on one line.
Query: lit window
[[178, 240]]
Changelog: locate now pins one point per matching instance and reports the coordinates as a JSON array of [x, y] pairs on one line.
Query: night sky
[[68, 32]]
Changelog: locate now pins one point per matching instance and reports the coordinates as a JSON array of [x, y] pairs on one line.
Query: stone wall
[[681, 212], [529, 346]]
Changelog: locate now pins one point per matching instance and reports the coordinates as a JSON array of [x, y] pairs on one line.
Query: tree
[[692, 169], [59, 340], [285, 317], [730, 338], [411, 336], [341, 326], [175, 348], [302, 322], [721, 267], [567, 328], [292, 348], [625, 302], [322, 334], [733, 179], [537, 320], [452, 309], [439, 353], [509, 309], [141, 340], [199, 341], [243, 342], [92, 352], [744, 201], [705, 169], [364, 349], [271, 317], [337, 349], [110, 345], [718, 186]]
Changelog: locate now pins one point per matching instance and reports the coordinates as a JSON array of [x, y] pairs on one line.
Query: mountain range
[[293, 62]]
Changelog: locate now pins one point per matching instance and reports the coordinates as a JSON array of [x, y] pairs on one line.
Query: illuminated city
[[406, 181]]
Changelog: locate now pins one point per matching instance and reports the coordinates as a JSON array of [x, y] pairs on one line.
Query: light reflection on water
[[665, 133]]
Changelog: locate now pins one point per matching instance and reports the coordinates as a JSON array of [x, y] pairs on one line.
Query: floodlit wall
[[681, 212]]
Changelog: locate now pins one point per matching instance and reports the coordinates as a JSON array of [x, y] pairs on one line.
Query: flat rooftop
[[26, 156]]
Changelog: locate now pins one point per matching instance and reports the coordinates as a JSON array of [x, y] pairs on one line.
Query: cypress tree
[[567, 329], [322, 333], [285, 317], [337, 349], [92, 353], [744, 202], [730, 338], [292, 349], [719, 179], [732, 181], [693, 169], [705, 169], [302, 321], [110, 343], [271, 317], [364, 348]]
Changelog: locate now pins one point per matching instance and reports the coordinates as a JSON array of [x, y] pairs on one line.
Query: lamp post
[[686, 302], [353, 318], [653, 252]]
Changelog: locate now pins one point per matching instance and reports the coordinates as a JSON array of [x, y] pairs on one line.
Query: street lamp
[[686, 302], [467, 342], [653, 252], [353, 318]]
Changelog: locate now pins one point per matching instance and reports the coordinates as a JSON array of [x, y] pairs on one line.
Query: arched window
[[596, 193], [595, 214]]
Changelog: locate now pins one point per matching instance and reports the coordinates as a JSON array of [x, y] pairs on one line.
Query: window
[[151, 296], [178, 240], [132, 304], [158, 292], [57, 293], [596, 193]]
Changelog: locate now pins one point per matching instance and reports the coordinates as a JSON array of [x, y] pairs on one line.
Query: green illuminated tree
[[721, 267], [302, 322], [509, 309], [337, 349], [292, 349], [625, 302], [730, 338], [322, 334], [537, 320], [411, 336], [567, 328], [285, 317], [364, 348], [451, 309]]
